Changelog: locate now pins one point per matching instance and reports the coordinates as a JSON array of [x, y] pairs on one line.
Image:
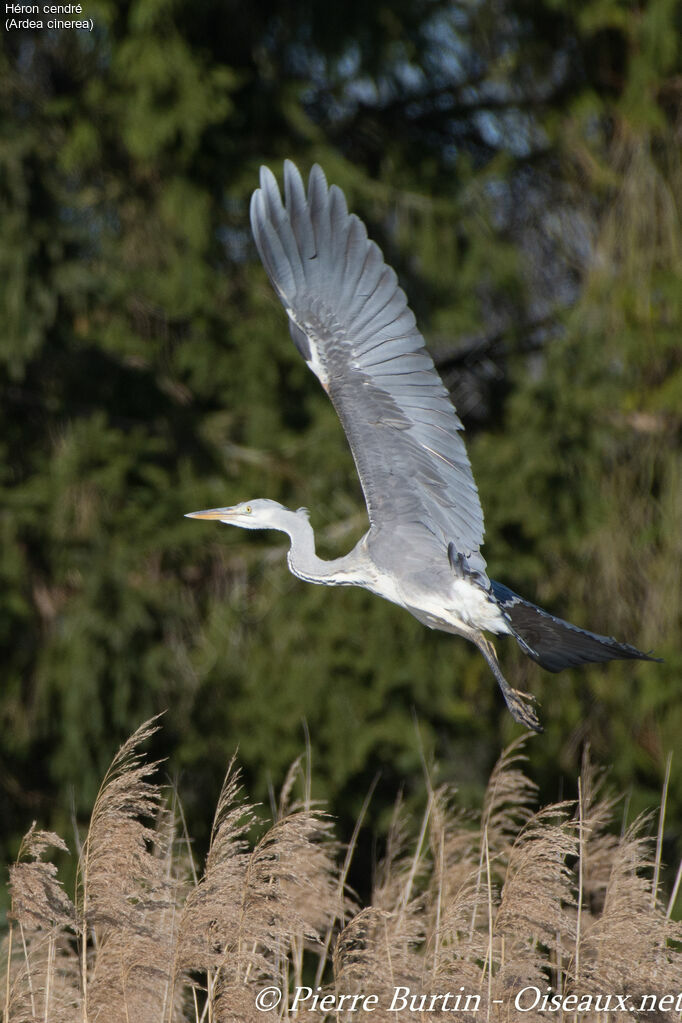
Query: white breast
[[463, 604], [471, 605]]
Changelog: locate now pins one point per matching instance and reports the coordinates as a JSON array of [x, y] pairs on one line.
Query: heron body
[[433, 590], [350, 321]]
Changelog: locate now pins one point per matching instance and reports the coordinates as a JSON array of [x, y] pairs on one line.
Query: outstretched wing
[[350, 320]]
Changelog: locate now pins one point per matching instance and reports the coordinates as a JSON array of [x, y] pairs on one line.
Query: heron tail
[[554, 643]]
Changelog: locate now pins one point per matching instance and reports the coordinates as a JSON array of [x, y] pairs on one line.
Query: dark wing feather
[[350, 320], [554, 643]]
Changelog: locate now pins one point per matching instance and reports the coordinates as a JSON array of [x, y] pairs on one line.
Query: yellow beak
[[211, 513]]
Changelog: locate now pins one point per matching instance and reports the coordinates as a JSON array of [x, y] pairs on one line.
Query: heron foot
[[520, 707], [519, 703]]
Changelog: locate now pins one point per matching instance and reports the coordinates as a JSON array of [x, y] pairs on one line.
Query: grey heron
[[350, 321]]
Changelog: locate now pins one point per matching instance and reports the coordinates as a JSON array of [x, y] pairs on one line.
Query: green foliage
[[522, 174]]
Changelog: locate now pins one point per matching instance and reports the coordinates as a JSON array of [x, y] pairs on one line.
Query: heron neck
[[304, 562]]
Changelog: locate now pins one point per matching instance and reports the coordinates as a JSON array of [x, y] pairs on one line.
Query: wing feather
[[356, 243], [295, 199], [350, 320]]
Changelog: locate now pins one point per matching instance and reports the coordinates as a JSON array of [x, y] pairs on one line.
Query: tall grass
[[547, 900]]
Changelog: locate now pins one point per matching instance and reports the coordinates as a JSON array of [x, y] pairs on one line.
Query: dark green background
[[519, 163]]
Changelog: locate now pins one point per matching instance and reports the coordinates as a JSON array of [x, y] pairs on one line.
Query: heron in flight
[[350, 321]]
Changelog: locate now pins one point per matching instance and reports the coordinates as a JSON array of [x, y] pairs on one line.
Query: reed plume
[[466, 910]]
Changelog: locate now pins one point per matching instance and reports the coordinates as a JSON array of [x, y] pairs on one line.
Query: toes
[[522, 712]]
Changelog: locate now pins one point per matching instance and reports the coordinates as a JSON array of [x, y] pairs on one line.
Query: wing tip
[[256, 210], [267, 179], [317, 184], [292, 173]]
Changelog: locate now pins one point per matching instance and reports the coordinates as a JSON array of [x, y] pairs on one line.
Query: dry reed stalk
[[455, 896], [41, 976], [631, 946], [128, 896], [256, 911], [476, 908], [536, 918]]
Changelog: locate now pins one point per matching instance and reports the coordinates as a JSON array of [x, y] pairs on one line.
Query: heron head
[[258, 514]]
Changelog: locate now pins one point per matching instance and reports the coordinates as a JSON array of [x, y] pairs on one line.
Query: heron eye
[[248, 509]]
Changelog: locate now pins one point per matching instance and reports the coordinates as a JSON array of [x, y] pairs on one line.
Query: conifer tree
[[519, 164]]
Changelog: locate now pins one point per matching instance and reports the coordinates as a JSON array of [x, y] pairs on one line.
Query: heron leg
[[519, 703]]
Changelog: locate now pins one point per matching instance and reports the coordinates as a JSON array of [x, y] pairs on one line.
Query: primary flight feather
[[350, 320]]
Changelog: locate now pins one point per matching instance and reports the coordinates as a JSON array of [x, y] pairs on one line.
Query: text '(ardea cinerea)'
[[350, 321]]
